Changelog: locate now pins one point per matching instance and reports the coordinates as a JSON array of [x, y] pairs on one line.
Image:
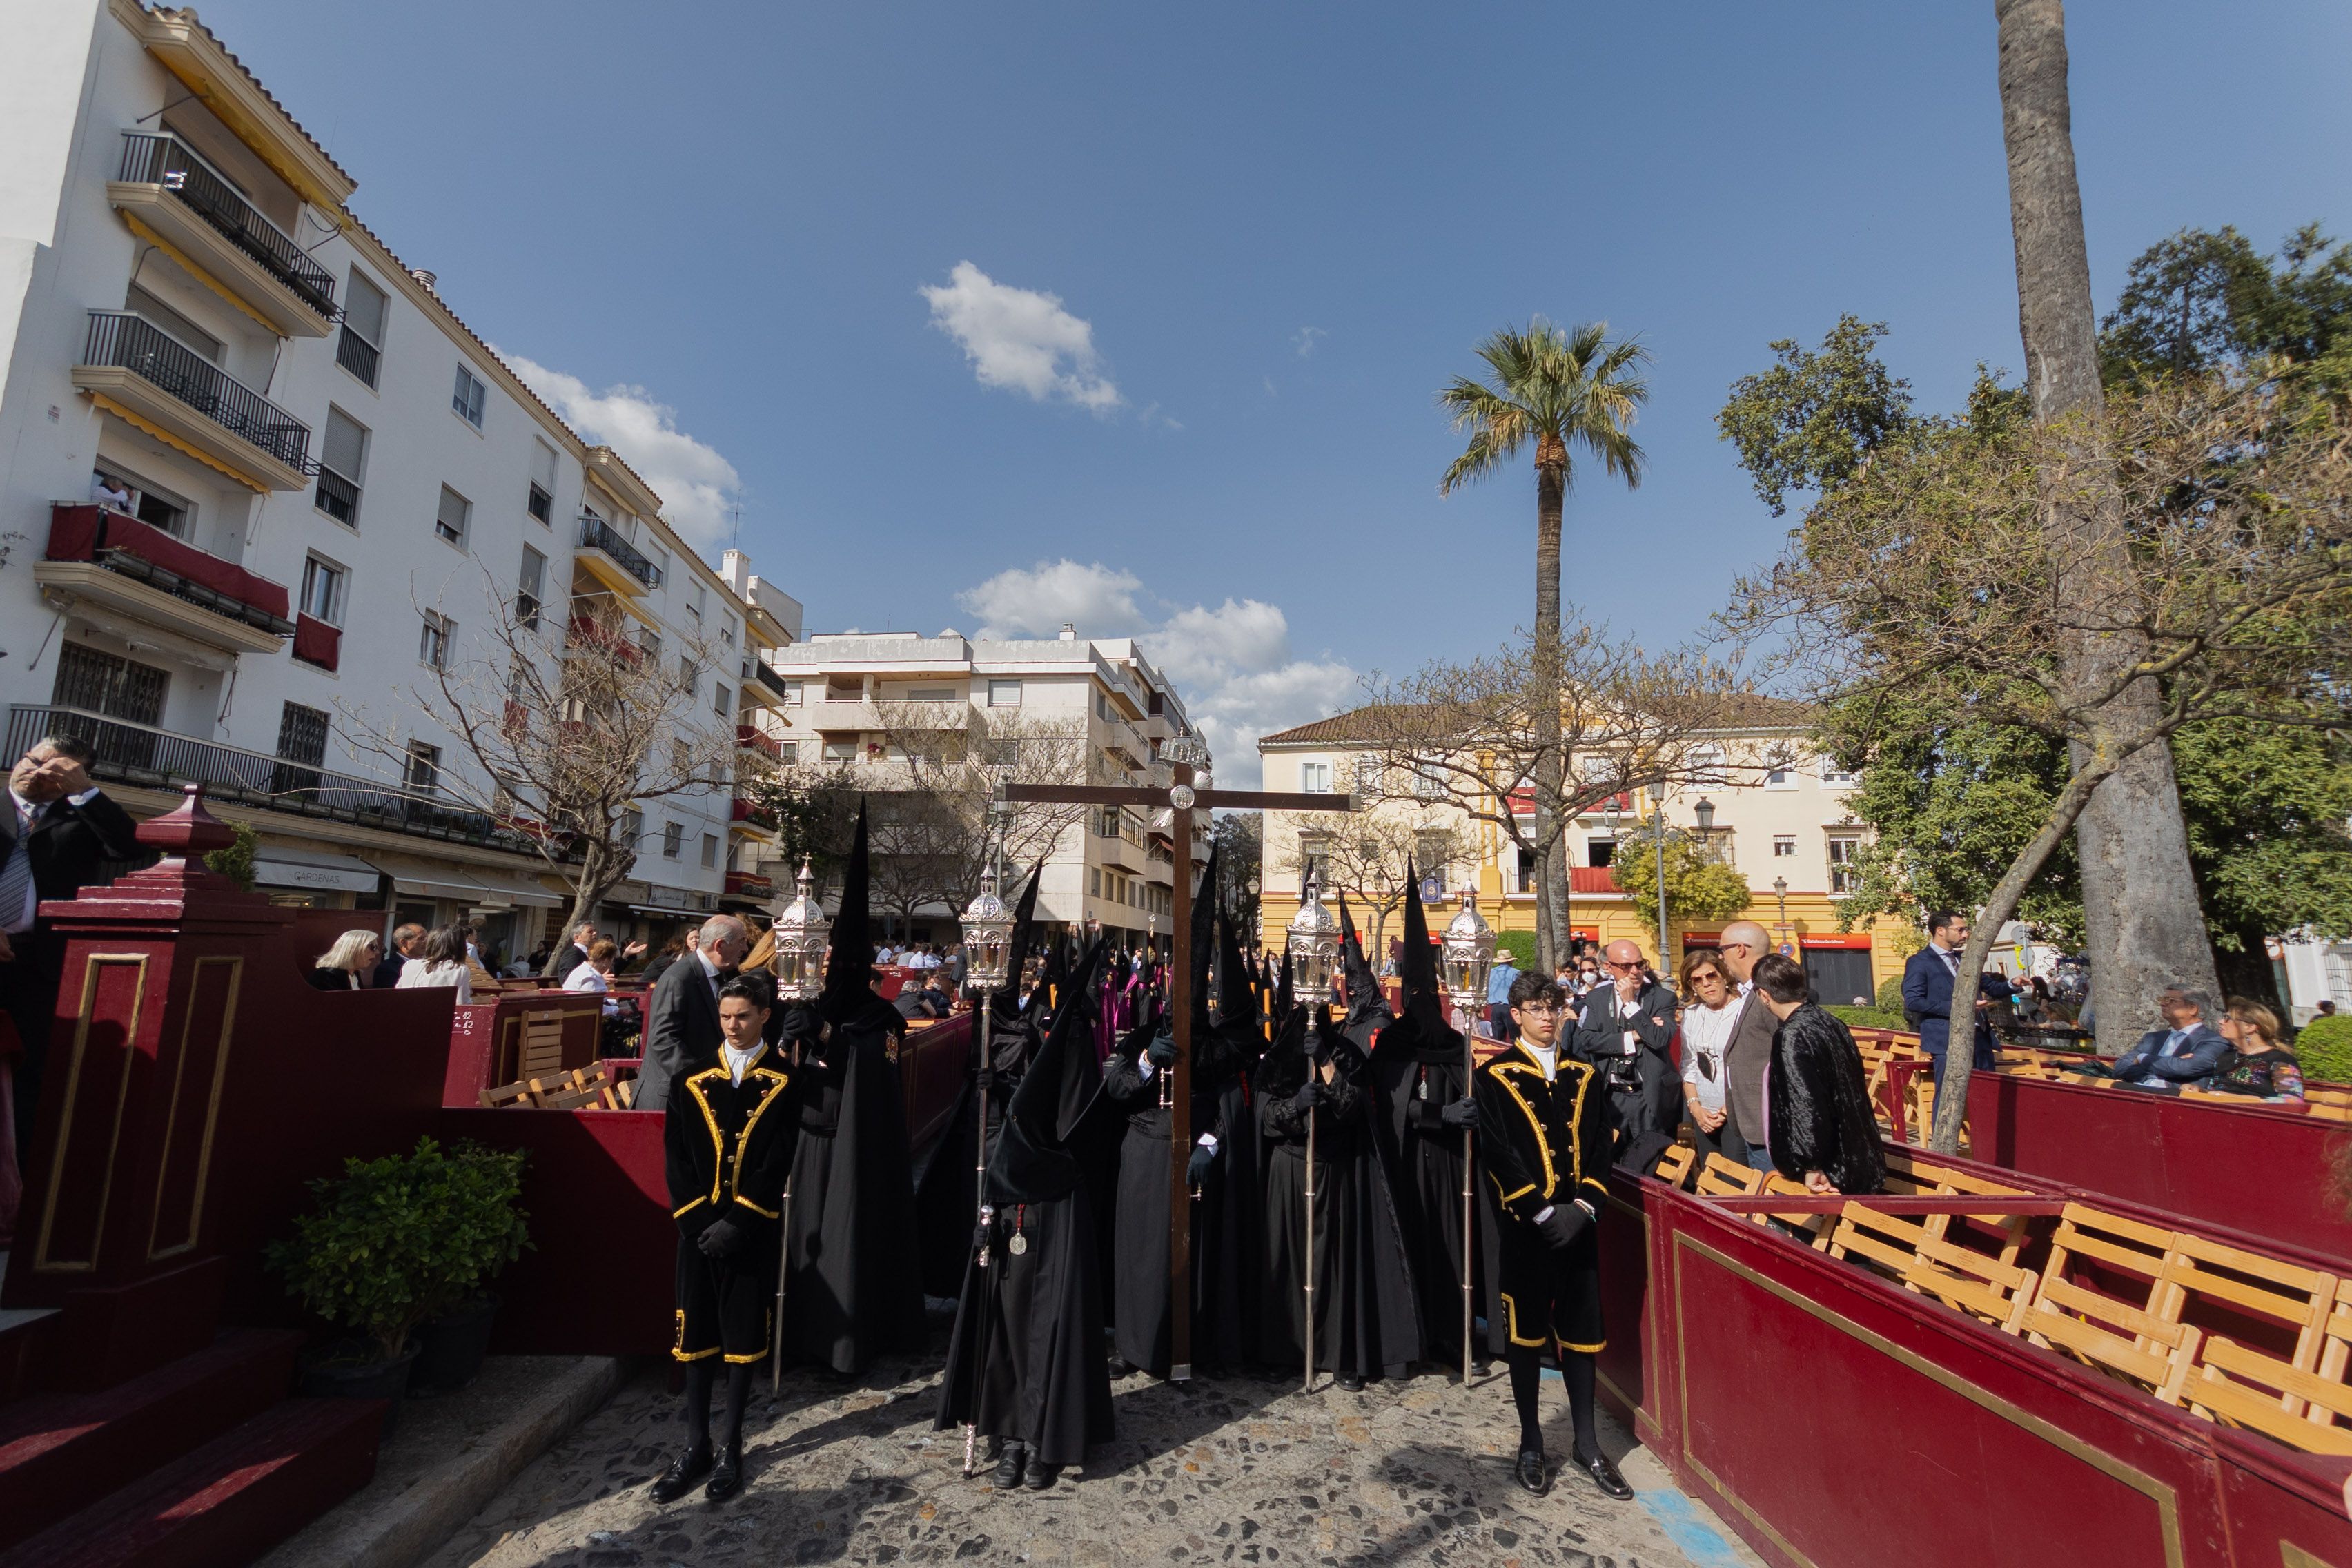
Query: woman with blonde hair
[[2257, 1064], [346, 965]]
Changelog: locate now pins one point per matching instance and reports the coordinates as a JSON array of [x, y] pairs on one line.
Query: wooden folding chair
[[1675, 1164], [1889, 1241], [2242, 1387], [1986, 1287], [1722, 1178], [2136, 1341], [2302, 1298], [1818, 1227], [541, 1051], [505, 1094]]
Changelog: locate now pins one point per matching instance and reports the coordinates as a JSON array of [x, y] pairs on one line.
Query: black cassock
[[726, 1149], [1367, 1319], [1025, 1359], [1416, 1083], [854, 1287]]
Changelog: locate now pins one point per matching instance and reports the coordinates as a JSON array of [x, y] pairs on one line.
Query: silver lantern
[[801, 933], [987, 942], [1468, 957], [1314, 948]]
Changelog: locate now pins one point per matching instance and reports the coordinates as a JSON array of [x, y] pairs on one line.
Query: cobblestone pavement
[[1230, 1471]]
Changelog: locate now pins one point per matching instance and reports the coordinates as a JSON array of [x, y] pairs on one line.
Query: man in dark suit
[[1624, 1033], [407, 942], [1928, 977], [57, 829], [682, 1029], [2186, 1050]]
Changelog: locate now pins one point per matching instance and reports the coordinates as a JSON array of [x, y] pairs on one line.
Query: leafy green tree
[[1813, 418], [235, 860], [1700, 891], [1561, 390], [2201, 299]]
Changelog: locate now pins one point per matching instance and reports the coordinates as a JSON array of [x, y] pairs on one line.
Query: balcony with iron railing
[[136, 369], [748, 739], [762, 686], [163, 183], [750, 884], [752, 815], [143, 756], [136, 569], [636, 574]]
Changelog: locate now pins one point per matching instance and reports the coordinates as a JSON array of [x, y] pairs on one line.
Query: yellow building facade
[[1778, 814]]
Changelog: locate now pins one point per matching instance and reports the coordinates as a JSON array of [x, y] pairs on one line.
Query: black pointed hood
[[1284, 1066], [1238, 994], [1422, 1023], [849, 961], [1007, 1003], [1033, 1162], [1368, 1006], [1203, 942]]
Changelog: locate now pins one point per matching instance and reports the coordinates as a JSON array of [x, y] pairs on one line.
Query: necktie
[[16, 876]]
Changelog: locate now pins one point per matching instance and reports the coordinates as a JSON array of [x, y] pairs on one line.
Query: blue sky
[[1273, 232]]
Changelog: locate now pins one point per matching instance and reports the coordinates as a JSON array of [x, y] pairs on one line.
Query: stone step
[[225, 1503], [60, 1453]]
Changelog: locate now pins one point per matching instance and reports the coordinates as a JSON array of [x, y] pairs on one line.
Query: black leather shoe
[[727, 1476], [1008, 1470], [1040, 1477], [684, 1471], [1530, 1472], [1604, 1474], [991, 1450], [1351, 1383], [1119, 1367]]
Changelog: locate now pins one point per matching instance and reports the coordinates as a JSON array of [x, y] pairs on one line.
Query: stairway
[[203, 1461]]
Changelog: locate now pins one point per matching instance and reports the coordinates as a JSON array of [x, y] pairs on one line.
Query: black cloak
[[1420, 1064], [1025, 1359], [1367, 1319], [1820, 1114], [853, 1283]]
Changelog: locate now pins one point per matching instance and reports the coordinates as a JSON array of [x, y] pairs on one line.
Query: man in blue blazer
[[2186, 1050], [1928, 977]]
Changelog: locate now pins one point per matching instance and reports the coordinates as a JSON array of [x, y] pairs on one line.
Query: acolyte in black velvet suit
[[1822, 1118], [727, 1148]]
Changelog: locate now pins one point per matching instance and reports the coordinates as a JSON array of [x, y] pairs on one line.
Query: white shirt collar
[[738, 1063], [1547, 1056], [709, 970]]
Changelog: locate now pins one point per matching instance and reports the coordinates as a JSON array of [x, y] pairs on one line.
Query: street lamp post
[[1781, 891], [1658, 821]]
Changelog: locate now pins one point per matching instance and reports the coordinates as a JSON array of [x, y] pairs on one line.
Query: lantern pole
[[1469, 958], [800, 932], [1314, 942], [986, 940]]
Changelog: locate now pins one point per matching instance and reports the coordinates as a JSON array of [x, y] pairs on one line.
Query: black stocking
[[739, 1389], [700, 1375], [1577, 1369], [1525, 1362]]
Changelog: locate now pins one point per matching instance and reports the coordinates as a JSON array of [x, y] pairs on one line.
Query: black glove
[[980, 1239], [719, 1237], [1459, 1113], [1563, 1225], [984, 1081], [1163, 1050], [1198, 1171], [1304, 1099]]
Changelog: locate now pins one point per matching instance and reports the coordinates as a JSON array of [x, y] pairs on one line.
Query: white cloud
[[698, 487], [1021, 339], [1305, 339], [1232, 663]]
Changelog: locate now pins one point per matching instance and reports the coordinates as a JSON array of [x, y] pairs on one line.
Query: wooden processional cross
[[1181, 800]]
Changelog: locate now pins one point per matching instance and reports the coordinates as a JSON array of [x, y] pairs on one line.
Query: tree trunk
[[1551, 484], [2143, 923]]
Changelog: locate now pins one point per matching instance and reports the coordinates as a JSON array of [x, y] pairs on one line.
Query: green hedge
[[1890, 994], [2324, 1048], [1871, 1017], [1519, 944]]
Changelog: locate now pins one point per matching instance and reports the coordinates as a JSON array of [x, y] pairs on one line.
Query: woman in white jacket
[[443, 964]]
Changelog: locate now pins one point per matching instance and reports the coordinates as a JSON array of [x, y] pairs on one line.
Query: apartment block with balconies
[[262, 480], [853, 703]]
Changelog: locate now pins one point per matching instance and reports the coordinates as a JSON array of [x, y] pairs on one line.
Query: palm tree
[[1563, 389]]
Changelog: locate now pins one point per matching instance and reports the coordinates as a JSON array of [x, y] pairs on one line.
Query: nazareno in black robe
[[1025, 1359], [947, 1184], [1366, 1318], [853, 1288], [1820, 1114], [1419, 1063]]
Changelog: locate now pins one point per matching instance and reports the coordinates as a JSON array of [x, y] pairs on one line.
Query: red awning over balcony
[[1592, 879], [89, 533], [316, 642]]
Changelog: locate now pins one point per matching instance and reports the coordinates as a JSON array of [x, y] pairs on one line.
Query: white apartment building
[[1777, 809], [258, 477], [843, 696]]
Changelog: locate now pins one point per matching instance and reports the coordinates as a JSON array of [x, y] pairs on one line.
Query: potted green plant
[[395, 1244]]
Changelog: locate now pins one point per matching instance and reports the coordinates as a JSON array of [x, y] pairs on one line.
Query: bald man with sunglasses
[[1626, 1032], [1749, 1056]]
